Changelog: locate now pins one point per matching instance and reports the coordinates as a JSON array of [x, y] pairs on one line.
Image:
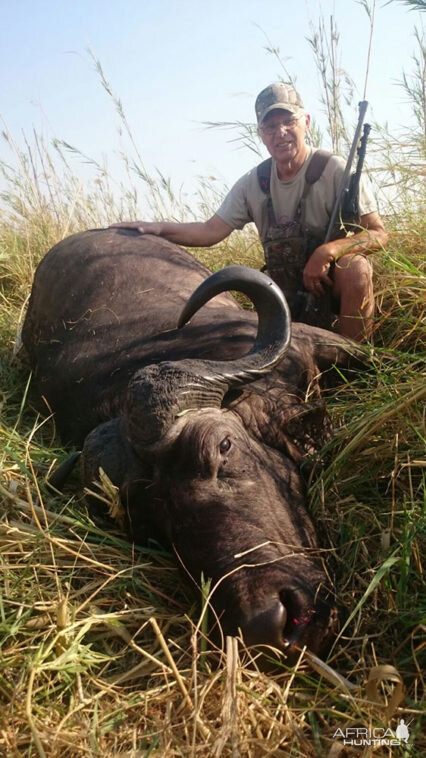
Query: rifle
[[350, 205], [345, 212], [346, 204]]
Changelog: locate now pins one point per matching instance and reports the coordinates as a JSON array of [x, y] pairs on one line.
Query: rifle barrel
[[363, 105]]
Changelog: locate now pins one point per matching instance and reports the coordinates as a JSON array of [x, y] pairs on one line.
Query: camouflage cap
[[277, 96]]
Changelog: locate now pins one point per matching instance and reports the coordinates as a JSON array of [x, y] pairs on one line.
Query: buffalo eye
[[225, 445]]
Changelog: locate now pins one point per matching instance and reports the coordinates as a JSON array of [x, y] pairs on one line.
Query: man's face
[[283, 134]]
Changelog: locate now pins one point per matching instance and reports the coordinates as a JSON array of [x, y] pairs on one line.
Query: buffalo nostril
[[295, 631], [266, 627]]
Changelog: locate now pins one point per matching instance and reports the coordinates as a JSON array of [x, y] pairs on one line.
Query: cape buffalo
[[202, 428]]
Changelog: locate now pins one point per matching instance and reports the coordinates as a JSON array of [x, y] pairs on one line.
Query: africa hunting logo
[[376, 736]]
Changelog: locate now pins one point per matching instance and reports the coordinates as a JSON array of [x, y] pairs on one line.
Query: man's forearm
[[372, 236], [192, 234], [363, 243]]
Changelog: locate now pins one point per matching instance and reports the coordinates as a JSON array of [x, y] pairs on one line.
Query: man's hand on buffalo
[[144, 227]]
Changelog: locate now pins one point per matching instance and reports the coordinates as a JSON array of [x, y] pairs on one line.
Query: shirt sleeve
[[234, 209], [367, 201]]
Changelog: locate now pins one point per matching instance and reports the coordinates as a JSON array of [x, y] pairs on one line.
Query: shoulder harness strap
[[314, 171], [264, 179], [264, 175], [316, 166]]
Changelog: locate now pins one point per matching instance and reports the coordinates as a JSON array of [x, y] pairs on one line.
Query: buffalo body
[[204, 444]]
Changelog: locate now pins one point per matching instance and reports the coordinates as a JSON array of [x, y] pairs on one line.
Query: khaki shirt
[[246, 202]]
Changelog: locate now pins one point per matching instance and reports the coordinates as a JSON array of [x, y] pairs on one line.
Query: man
[[290, 212]]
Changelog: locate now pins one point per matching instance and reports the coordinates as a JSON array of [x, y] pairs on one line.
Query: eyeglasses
[[287, 123]]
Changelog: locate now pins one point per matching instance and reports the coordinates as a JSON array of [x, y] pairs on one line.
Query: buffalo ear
[[307, 430], [137, 508], [59, 477], [146, 517], [284, 422], [107, 457]]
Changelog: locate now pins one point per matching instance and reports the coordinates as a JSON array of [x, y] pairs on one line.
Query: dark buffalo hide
[[203, 428]]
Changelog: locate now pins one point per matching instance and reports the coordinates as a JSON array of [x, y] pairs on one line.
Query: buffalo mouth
[[286, 622], [279, 628]]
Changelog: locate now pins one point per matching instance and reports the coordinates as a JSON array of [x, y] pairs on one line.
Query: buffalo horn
[[158, 394], [273, 331]]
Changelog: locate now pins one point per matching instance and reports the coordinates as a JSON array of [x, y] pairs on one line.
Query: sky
[[176, 64]]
